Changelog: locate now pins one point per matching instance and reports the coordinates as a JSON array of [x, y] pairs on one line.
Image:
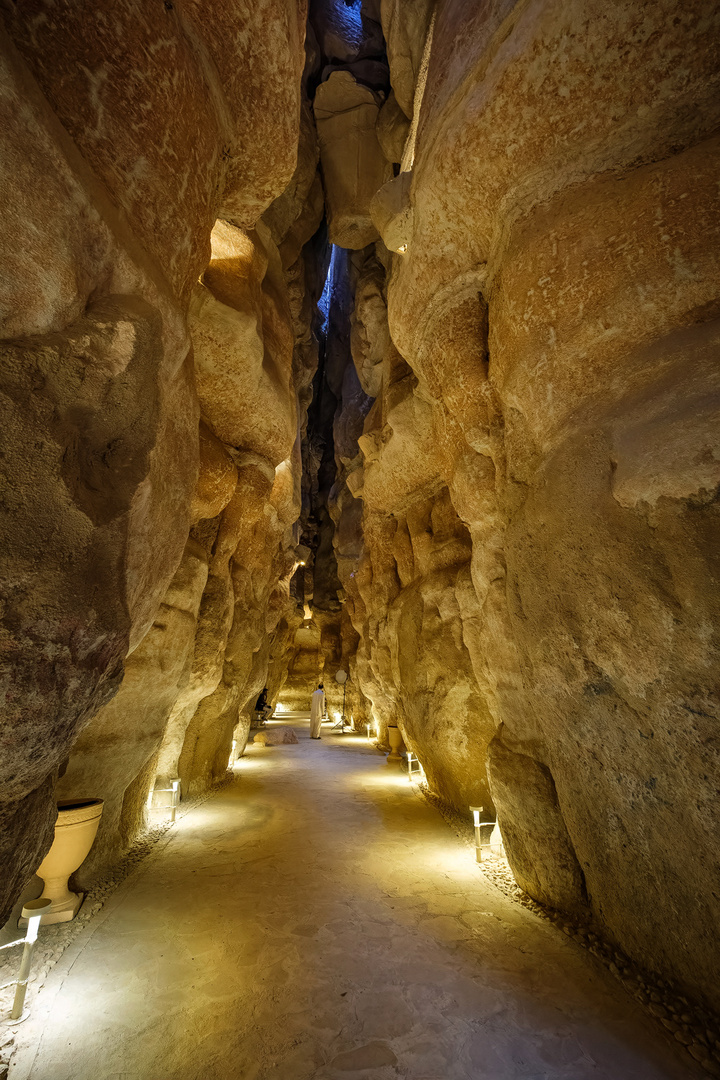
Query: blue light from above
[[349, 21], [326, 295]]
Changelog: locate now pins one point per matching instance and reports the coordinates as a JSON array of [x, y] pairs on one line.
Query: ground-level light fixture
[[175, 798], [33, 911], [483, 832], [414, 767]]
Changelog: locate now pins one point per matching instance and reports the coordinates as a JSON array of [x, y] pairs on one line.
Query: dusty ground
[[317, 918]]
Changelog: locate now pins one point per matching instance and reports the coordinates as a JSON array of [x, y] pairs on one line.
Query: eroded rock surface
[[469, 453], [353, 165], [118, 161], [556, 299]]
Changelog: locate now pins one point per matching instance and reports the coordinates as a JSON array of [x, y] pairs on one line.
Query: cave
[[369, 345]]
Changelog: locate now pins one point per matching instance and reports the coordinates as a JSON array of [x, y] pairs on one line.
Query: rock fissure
[[378, 337]]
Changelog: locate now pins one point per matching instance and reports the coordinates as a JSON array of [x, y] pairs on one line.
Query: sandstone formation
[[117, 162], [353, 165], [556, 299], [276, 737], [383, 341]]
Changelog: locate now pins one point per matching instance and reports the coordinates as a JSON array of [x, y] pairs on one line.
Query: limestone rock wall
[[540, 489], [123, 141]]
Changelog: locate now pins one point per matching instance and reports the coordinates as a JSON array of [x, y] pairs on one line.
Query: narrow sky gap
[[326, 295]]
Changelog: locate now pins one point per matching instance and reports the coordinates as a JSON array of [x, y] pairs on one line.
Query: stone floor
[[317, 918]]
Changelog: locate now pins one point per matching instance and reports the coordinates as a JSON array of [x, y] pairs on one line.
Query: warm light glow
[[33, 927], [402, 249], [308, 613], [33, 911], [174, 798], [387, 778], [414, 767]]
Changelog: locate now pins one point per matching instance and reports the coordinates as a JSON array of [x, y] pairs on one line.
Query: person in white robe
[[317, 708]]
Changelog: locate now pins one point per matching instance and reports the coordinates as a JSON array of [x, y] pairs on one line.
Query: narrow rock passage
[[317, 918]]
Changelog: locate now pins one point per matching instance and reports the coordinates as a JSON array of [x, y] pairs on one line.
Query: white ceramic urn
[[75, 830]]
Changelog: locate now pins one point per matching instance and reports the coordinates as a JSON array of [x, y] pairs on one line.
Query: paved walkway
[[318, 919]]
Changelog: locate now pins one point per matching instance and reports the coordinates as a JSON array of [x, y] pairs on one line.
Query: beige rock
[[353, 165], [192, 110], [369, 335], [557, 303], [217, 479], [541, 853], [126, 733], [284, 211], [505, 494], [405, 25], [401, 455], [122, 142], [275, 736], [393, 128], [391, 212], [242, 338]]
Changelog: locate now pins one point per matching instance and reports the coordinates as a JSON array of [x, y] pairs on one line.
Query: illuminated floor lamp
[[33, 911], [484, 843], [414, 767], [174, 792]]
